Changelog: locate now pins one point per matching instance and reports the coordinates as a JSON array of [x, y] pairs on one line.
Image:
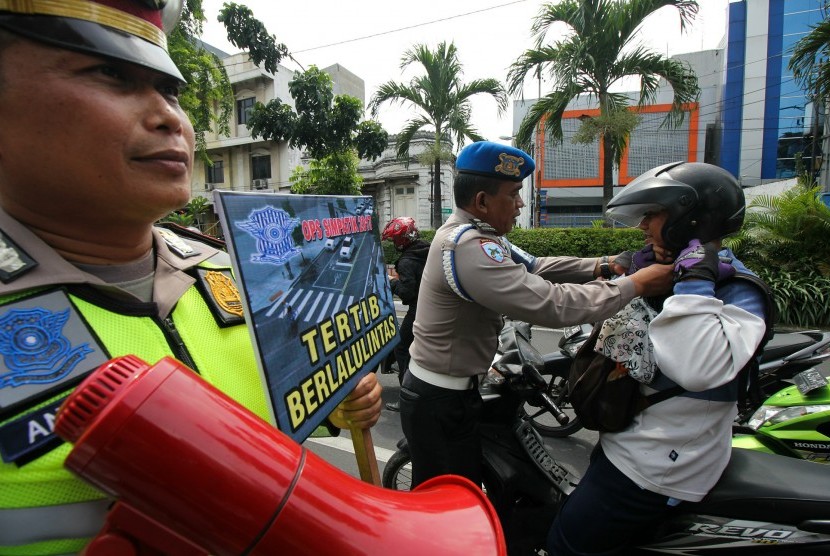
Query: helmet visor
[[632, 215]]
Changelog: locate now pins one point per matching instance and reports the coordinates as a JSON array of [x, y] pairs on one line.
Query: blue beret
[[494, 160]]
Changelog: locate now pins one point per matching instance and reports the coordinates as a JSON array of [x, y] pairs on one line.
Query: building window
[[651, 144], [243, 109], [261, 167], [215, 172]]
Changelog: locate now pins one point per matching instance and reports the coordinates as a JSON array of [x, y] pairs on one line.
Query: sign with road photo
[[317, 301]]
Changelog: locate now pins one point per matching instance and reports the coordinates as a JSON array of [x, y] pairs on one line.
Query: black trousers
[[402, 349], [606, 514], [442, 429]]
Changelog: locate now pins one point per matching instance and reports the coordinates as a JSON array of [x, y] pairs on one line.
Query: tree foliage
[[208, 97], [249, 34], [322, 123], [809, 62], [335, 174], [599, 51], [617, 125], [327, 126], [442, 102], [789, 231]]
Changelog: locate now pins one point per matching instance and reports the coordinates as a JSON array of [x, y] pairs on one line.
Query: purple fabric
[[702, 262]]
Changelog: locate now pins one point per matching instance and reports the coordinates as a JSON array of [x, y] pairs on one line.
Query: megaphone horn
[[199, 472]]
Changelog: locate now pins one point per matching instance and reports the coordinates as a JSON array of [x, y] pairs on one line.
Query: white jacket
[[680, 446]]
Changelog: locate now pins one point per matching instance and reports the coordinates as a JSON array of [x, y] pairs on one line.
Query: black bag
[[603, 396]]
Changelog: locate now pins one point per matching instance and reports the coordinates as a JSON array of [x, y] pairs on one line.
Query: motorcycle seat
[[782, 345], [765, 487]]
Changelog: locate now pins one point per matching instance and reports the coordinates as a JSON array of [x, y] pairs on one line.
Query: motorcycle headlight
[[774, 415]]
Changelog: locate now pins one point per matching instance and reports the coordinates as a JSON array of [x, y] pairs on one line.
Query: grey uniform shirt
[[170, 280], [457, 337]]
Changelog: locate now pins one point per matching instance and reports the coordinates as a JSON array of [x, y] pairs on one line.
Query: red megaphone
[[194, 472]]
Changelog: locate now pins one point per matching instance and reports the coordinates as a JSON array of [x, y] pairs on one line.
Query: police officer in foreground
[[94, 149], [473, 277]]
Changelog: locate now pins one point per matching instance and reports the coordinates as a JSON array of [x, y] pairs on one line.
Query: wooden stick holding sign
[[364, 451]]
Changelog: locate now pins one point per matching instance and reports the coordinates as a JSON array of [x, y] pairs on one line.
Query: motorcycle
[[786, 355], [795, 421], [762, 503], [556, 370]]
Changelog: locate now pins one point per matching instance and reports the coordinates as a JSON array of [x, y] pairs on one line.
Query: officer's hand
[[701, 262], [361, 408], [629, 262], [622, 263], [654, 280]]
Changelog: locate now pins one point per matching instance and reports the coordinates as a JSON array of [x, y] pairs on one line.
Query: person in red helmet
[[404, 234]]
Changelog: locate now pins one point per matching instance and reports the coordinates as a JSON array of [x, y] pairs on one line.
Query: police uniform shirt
[[170, 282], [457, 337]]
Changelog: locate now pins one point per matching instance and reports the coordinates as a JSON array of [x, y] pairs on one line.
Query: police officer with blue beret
[[94, 149], [473, 277]]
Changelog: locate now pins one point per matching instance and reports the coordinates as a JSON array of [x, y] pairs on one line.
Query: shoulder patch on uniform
[[493, 250], [177, 245], [45, 347], [222, 295], [14, 261]]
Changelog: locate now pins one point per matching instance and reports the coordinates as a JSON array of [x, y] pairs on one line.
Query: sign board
[[313, 283]]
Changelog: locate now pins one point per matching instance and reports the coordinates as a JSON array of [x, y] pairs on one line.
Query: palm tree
[[443, 102], [791, 229], [809, 61], [598, 53], [811, 70]]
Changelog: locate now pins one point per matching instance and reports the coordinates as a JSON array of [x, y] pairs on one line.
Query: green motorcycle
[[795, 421]]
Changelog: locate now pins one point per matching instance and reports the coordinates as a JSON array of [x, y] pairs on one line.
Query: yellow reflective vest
[[45, 509]]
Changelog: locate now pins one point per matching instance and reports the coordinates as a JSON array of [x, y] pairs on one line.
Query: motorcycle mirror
[[510, 363], [529, 355], [533, 376], [509, 331], [522, 328]]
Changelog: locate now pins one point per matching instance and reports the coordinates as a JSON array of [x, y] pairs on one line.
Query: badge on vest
[[14, 261], [222, 295], [31, 436], [45, 346]]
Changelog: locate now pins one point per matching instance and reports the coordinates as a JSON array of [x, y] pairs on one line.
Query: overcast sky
[[369, 37]]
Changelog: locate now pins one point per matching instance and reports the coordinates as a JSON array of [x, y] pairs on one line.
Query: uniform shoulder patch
[[493, 250], [46, 348], [222, 295]]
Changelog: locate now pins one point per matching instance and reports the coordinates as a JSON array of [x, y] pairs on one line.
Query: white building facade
[[239, 162]]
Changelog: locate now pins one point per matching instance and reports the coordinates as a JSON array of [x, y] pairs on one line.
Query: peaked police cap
[[130, 30]]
